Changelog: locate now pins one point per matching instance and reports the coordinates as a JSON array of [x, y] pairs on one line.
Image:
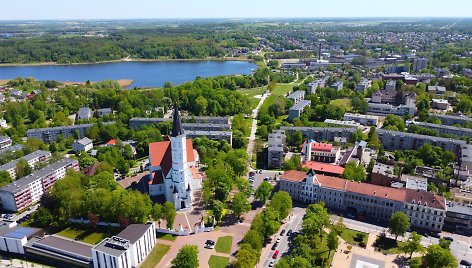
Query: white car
[[278, 239], [271, 263]]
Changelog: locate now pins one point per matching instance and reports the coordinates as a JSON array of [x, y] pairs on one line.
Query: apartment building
[[5, 142], [32, 159], [297, 96], [419, 64], [28, 190], [438, 90], [297, 109], [320, 152], [337, 85], [127, 249], [85, 113], [366, 201], [275, 149], [211, 135], [82, 145], [440, 104], [363, 85], [396, 140], [447, 130], [452, 119], [459, 218], [363, 119], [52, 133], [321, 133], [341, 123], [139, 122], [384, 109]]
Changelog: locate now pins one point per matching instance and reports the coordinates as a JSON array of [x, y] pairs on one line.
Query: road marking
[[185, 213]]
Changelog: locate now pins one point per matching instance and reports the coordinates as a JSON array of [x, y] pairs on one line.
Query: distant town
[[348, 146]]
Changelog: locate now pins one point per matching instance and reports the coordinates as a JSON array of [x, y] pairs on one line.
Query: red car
[[276, 253]]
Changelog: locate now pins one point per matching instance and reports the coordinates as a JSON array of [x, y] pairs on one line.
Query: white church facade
[[173, 167]]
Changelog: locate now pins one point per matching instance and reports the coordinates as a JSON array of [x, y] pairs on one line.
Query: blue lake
[[144, 74]]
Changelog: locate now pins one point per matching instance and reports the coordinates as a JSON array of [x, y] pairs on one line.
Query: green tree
[[254, 239], [186, 258], [399, 224], [5, 178], [271, 221], [156, 213], [282, 202], [444, 243], [168, 213], [42, 217], [413, 244], [240, 204], [22, 169], [315, 219], [292, 164], [354, 172], [244, 186], [264, 191], [246, 257], [217, 208], [332, 242], [438, 257]]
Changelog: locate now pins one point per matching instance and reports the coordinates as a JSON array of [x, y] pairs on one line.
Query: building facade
[[297, 109], [82, 145], [363, 119], [320, 152], [297, 96], [52, 133], [366, 201], [275, 149], [321, 133], [32, 159], [5, 142]]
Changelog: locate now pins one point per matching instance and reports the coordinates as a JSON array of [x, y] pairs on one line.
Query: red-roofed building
[[111, 142], [366, 201], [173, 167], [320, 152], [324, 168]]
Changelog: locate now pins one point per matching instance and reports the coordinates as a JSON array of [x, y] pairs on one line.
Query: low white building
[[5, 141], [14, 237], [127, 249], [85, 113], [363, 119], [82, 145]]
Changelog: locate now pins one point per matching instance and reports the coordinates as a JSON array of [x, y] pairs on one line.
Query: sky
[[163, 9]]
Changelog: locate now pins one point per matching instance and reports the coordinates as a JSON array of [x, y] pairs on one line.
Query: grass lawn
[[282, 89], [88, 235], [223, 245], [353, 237], [155, 256], [218, 262], [346, 103], [251, 93], [167, 237], [388, 245]]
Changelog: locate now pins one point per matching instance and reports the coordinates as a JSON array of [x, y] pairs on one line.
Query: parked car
[[210, 244], [276, 253], [252, 174], [271, 263], [278, 239], [289, 233], [274, 246], [282, 232], [449, 238], [466, 263], [266, 179]]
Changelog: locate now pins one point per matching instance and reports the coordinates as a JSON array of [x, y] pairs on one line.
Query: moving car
[[276, 253]]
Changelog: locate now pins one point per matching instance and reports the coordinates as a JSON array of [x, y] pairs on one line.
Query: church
[[173, 168]]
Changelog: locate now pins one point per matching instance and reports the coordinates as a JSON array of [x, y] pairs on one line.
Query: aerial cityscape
[[236, 134]]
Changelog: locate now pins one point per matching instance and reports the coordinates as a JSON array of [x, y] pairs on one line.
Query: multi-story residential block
[[447, 130], [341, 123], [50, 134], [459, 218], [12, 149], [363, 119], [321, 133], [396, 140], [103, 112], [320, 152], [127, 249], [466, 156], [467, 73], [5, 142], [206, 127], [366, 201], [451, 120], [438, 90], [28, 190], [211, 135], [363, 85], [440, 104], [275, 149], [297, 96], [337, 85], [140, 122], [391, 85], [314, 86], [297, 109], [85, 113], [294, 65], [384, 109], [31, 159], [419, 64], [82, 145], [397, 69]]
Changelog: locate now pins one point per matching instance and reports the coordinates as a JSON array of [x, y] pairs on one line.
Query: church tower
[[179, 179]]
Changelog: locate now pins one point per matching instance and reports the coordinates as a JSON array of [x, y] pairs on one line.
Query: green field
[[251, 93], [155, 256], [167, 237], [223, 245], [388, 245], [346, 103], [353, 237], [282, 89], [88, 236], [218, 262]]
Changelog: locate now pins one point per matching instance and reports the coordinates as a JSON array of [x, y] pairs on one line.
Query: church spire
[[177, 128]]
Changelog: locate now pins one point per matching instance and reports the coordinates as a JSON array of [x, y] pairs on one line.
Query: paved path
[[252, 137]]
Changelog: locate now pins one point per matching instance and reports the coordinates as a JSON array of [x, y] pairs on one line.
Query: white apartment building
[[363, 119], [5, 141], [32, 159], [82, 145], [320, 152], [127, 249], [28, 190]]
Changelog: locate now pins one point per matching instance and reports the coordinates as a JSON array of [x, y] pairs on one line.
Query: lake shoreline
[[124, 83], [122, 60]]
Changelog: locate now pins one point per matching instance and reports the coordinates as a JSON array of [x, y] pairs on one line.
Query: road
[[252, 137], [295, 224]]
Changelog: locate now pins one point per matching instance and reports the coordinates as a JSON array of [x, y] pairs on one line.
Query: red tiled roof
[[425, 198], [195, 173], [111, 142], [326, 147], [294, 175], [376, 190], [324, 167], [331, 182]]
